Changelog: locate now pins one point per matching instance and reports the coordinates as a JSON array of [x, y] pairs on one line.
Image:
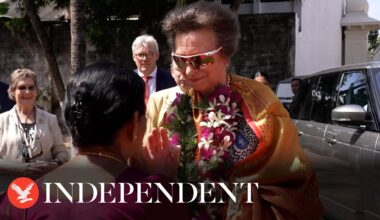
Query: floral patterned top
[[245, 143]]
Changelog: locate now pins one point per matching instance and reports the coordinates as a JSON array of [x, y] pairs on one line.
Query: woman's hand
[[36, 169], [28, 169], [160, 155], [46, 166]]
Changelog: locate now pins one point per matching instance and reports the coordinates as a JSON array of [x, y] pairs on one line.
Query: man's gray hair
[[145, 41]]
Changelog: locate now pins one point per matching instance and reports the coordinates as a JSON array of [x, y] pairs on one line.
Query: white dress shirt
[[152, 80]]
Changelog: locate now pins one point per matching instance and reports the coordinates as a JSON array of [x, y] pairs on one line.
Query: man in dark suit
[[145, 54], [5, 103]]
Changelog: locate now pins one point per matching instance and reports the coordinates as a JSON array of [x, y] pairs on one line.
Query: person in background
[[5, 102], [296, 84], [262, 146], [159, 102], [299, 111], [31, 142], [145, 54], [157, 108], [262, 77]]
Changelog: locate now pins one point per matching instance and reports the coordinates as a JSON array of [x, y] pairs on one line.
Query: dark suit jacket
[[5, 103], [164, 79]]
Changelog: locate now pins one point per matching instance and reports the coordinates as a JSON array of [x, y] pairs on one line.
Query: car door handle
[[300, 133], [331, 141]]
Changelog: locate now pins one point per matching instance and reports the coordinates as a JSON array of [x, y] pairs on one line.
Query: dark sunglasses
[[24, 88], [197, 61]]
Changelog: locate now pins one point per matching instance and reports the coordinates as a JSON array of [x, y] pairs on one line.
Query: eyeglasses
[[147, 55], [197, 61], [24, 88]]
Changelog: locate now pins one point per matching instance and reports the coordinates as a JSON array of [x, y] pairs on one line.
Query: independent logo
[[23, 192]]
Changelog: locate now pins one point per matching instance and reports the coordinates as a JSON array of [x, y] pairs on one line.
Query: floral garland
[[182, 131], [218, 132]]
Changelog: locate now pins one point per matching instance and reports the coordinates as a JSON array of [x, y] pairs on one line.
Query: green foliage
[[62, 3], [110, 21], [374, 40], [179, 123], [19, 25], [4, 8]]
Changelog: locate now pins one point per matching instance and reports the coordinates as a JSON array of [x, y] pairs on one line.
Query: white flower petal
[[222, 98]]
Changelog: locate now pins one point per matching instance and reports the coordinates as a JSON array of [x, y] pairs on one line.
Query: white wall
[[319, 44], [257, 7]]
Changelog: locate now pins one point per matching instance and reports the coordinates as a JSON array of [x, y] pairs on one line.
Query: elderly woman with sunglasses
[[242, 131], [31, 142]]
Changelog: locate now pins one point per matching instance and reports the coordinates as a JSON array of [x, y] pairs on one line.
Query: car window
[[352, 89], [377, 76], [322, 98], [376, 85], [285, 94]]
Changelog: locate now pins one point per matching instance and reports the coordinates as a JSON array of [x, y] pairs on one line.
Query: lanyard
[[28, 136]]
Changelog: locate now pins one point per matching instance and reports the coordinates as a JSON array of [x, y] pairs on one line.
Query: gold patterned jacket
[[288, 187]]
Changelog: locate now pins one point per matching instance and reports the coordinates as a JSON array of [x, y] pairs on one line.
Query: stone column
[[356, 46], [357, 26]]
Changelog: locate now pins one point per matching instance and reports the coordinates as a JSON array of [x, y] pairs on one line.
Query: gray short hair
[[145, 41]]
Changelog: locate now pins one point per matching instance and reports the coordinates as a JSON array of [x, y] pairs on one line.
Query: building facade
[[327, 33]]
